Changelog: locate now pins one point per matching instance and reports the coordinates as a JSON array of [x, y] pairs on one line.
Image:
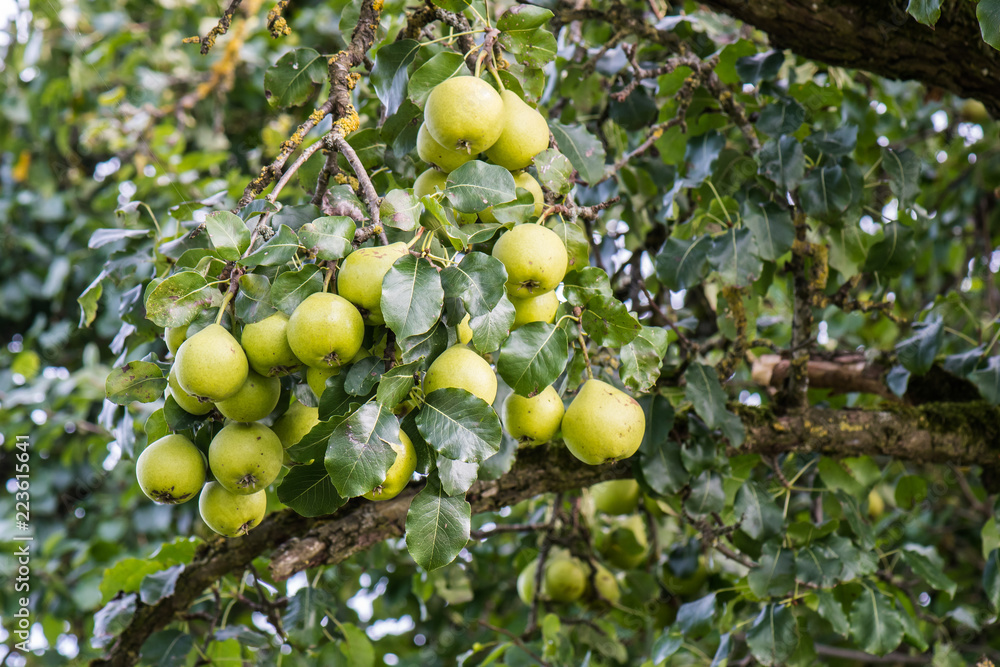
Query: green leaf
[[771, 227], [665, 646], [709, 401], [292, 287], [707, 495], [759, 517], [781, 117], [141, 381], [583, 149], [910, 490], [836, 475], [608, 322], [773, 637], [775, 572], [477, 185], [228, 233], [642, 358], [400, 210], [389, 74], [428, 344], [732, 256], [697, 617], [988, 13], [253, 301], [555, 171], [412, 296], [926, 11], [102, 237], [126, 575], [857, 562], [356, 647], [360, 450], [296, 76], [437, 526], [917, 352], [477, 281], [894, 253], [577, 247], [329, 237], [535, 48], [825, 193], [683, 263], [456, 476], [903, 169], [782, 161], [396, 383], [278, 250], [362, 376], [439, 68], [920, 560], [89, 301], [459, 426], [453, 5], [760, 67], [856, 519], [660, 462], [111, 619], [313, 444], [533, 357], [491, 329], [831, 609], [875, 624], [579, 287], [991, 578], [987, 380], [838, 142], [167, 648], [701, 154], [158, 585], [847, 249], [818, 565], [176, 301], [523, 18], [309, 490]]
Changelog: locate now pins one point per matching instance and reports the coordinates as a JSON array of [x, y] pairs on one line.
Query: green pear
[[325, 330], [606, 585], [616, 496], [211, 365], [458, 366], [465, 114], [297, 421], [429, 182], [525, 134], [266, 346], [522, 179], [688, 584], [171, 470], [359, 279], [228, 513], [174, 336], [431, 152], [526, 582], [534, 309], [533, 420], [245, 458], [399, 473], [256, 399], [464, 330], [627, 546], [535, 259], [603, 424], [186, 401], [565, 579]]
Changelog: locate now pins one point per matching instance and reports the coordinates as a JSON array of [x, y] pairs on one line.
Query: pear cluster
[[566, 579]]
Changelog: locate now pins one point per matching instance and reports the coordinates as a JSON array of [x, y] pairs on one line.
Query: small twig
[[220, 28], [276, 23], [287, 175], [367, 188]]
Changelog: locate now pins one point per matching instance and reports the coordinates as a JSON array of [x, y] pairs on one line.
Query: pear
[[211, 365], [533, 420], [534, 309], [187, 402], [464, 330], [398, 475], [616, 496], [429, 182], [255, 400], [525, 134], [603, 424], [266, 346], [535, 259], [245, 458], [230, 514], [171, 470], [458, 366], [606, 585], [297, 421], [522, 179], [445, 159], [627, 547], [465, 114], [526, 582], [565, 579], [174, 336], [359, 279], [325, 330]]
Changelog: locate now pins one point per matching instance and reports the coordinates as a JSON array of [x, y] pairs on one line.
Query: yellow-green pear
[[255, 400], [464, 330], [465, 114], [431, 152], [535, 259], [458, 366], [211, 365], [534, 309], [399, 473], [230, 514], [565, 579], [325, 330], [186, 401], [606, 585], [522, 179], [359, 279], [297, 421], [616, 496], [525, 134], [533, 420], [174, 336], [171, 470], [603, 424], [245, 458], [266, 346], [429, 182], [526, 582]]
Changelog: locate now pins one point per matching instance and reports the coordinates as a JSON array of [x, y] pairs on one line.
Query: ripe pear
[[522, 179], [616, 496], [533, 420], [297, 421], [245, 458], [266, 346], [429, 182], [464, 330], [526, 582], [525, 134], [603, 424], [445, 159], [211, 365], [606, 585], [360, 278], [230, 514], [458, 366], [876, 505], [171, 470], [325, 330], [465, 114], [565, 579], [535, 259], [187, 402], [255, 400], [535, 309], [398, 475], [627, 547], [174, 336]]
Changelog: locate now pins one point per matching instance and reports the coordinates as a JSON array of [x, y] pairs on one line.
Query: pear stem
[[225, 302], [586, 357], [479, 62], [496, 75], [331, 268], [416, 237]]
